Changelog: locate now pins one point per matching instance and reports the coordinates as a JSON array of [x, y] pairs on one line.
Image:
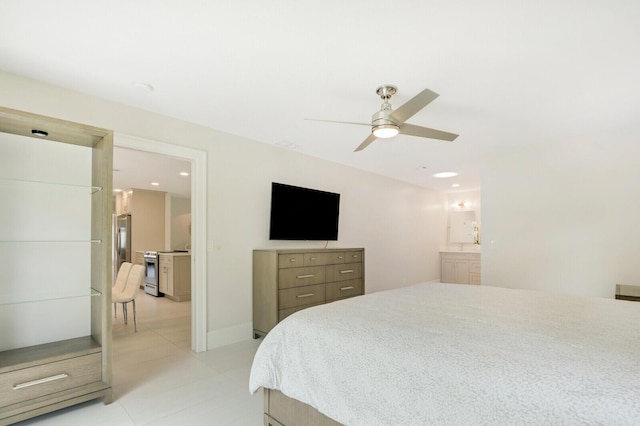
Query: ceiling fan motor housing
[[382, 125]]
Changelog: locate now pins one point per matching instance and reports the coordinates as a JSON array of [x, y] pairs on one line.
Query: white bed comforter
[[434, 354]]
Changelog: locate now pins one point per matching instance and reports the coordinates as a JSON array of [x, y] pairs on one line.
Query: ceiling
[[138, 169], [508, 73]]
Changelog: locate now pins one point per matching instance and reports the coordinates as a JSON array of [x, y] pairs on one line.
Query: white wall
[[401, 226], [563, 218]]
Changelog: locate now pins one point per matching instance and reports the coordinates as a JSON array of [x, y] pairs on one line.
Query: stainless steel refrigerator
[[123, 240]]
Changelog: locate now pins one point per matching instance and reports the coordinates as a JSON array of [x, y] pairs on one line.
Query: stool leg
[[125, 313]]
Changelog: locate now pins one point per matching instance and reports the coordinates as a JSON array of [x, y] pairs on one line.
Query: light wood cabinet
[[40, 370], [460, 268], [138, 258], [175, 276], [286, 281]]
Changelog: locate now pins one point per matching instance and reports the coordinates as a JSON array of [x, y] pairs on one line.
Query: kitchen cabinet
[[460, 268], [175, 276], [55, 314], [138, 258]]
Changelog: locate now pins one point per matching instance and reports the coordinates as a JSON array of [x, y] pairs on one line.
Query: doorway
[[198, 161]]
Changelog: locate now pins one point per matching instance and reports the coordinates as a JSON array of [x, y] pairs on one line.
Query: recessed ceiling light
[[40, 133], [184, 174], [155, 183], [445, 174], [455, 185]]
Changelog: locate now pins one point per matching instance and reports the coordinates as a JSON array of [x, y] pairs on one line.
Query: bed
[[437, 353]]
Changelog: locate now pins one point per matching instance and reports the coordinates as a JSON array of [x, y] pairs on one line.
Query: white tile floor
[[157, 380]]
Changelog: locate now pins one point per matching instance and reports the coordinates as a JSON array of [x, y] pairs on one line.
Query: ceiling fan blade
[[366, 142], [413, 105], [425, 132], [341, 122]]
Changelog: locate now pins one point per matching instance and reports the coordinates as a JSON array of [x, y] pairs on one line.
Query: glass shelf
[[93, 189], [6, 299]]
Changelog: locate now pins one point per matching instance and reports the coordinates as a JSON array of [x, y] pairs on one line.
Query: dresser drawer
[[33, 382], [344, 272], [283, 313], [337, 257], [293, 260], [353, 256], [295, 277], [344, 289], [313, 259], [299, 296]]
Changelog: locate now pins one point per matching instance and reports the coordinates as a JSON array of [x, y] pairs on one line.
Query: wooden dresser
[[286, 281]]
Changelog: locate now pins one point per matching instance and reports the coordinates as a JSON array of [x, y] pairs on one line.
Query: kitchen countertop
[[174, 253], [454, 250]]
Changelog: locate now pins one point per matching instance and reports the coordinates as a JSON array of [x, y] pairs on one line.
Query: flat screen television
[[303, 214]]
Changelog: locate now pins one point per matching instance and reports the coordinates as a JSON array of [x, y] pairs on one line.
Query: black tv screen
[[303, 214]]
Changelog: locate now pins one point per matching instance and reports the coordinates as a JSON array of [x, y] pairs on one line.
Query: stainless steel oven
[[151, 275]]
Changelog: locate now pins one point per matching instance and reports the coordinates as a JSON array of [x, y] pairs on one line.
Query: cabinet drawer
[[344, 272], [166, 260], [474, 257], [353, 256], [454, 256], [337, 257], [299, 296], [293, 260], [344, 289], [295, 277], [474, 267], [28, 383], [313, 259]]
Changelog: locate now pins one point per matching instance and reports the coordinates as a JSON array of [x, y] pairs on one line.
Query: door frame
[[198, 160]]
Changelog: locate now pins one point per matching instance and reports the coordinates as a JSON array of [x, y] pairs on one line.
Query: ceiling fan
[[388, 122]]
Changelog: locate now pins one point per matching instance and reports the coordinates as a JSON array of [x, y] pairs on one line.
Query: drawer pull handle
[[347, 271], [312, 258], [355, 256], [340, 257], [300, 296], [346, 288], [293, 259], [40, 381], [305, 276]]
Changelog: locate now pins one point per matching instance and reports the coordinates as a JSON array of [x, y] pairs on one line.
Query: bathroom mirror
[[461, 227]]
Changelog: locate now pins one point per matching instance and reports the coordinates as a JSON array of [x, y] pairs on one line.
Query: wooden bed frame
[[280, 410]]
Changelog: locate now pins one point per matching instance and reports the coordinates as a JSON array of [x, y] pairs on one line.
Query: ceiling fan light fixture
[[385, 131]]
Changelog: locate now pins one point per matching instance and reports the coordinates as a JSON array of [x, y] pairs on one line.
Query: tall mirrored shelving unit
[[55, 264]]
